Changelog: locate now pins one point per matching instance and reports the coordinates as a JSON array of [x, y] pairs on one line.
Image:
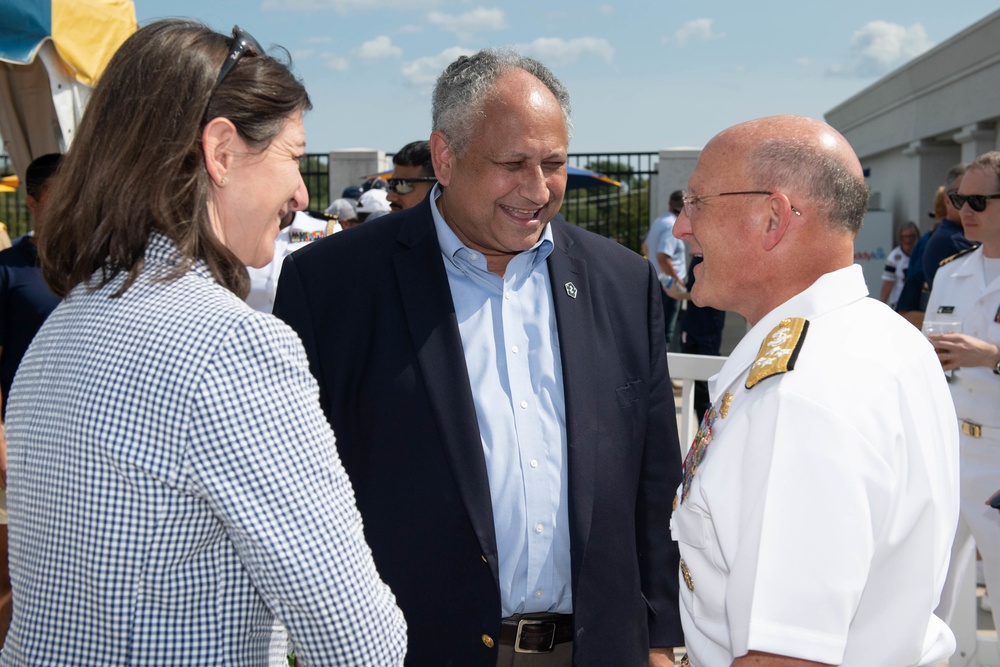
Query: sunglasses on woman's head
[[243, 45]]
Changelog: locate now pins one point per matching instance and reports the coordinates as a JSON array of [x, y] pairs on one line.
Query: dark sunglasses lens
[[976, 202], [244, 43]]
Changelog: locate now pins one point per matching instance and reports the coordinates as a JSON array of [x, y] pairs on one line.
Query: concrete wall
[[349, 167], [676, 165]]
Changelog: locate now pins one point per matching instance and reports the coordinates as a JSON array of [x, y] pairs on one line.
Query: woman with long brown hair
[[166, 507]]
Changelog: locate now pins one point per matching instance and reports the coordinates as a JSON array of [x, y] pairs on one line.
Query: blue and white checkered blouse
[[175, 495]]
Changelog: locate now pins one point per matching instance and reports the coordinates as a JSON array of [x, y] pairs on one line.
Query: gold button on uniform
[[687, 576], [676, 500], [484, 558], [488, 641]]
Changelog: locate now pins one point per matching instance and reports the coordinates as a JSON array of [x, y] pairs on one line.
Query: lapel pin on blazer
[[571, 290]]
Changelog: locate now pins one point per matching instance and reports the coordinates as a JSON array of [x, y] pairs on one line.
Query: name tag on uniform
[[946, 310]]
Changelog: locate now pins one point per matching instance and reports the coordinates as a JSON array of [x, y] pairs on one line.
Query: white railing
[[687, 368], [975, 648]]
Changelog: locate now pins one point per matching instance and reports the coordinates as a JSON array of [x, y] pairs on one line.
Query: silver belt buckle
[[531, 621], [972, 429]]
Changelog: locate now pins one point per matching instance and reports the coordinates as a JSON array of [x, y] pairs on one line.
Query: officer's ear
[[780, 215]]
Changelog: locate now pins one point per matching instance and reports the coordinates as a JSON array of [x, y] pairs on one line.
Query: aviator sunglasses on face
[[404, 186], [243, 45], [976, 202]]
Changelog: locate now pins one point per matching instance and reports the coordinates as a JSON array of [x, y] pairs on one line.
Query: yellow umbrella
[[52, 52]]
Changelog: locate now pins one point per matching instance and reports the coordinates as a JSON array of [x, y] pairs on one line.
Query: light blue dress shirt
[[660, 239], [508, 328]]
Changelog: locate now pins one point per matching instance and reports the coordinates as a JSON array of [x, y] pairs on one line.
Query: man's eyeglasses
[[976, 202], [243, 45], [694, 202], [404, 186]]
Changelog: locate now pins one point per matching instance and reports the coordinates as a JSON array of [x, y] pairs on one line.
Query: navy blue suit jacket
[[374, 310]]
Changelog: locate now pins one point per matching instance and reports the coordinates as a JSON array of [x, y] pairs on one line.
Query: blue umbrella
[[578, 177]]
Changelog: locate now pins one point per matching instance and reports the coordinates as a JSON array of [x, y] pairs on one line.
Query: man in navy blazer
[[497, 382]]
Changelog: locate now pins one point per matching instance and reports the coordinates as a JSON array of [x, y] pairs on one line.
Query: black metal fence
[[315, 168], [621, 213]]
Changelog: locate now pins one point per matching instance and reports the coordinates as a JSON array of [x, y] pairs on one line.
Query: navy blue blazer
[[374, 310]]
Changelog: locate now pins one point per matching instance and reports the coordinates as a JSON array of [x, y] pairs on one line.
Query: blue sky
[[642, 75]]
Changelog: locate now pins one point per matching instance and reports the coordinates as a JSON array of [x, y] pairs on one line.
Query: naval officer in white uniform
[[820, 497], [967, 291]]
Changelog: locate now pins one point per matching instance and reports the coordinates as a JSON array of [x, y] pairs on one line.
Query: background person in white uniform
[[897, 264], [298, 229], [967, 291], [820, 497]]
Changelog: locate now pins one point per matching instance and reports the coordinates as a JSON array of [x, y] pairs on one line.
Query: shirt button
[[538, 528], [506, 295], [538, 593], [488, 641], [514, 349], [524, 405], [473, 256], [534, 463]]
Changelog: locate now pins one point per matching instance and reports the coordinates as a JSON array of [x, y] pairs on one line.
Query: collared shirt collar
[[451, 245], [830, 291]]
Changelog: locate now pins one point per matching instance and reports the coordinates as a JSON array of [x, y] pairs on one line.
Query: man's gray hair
[[953, 174], [462, 88], [787, 163]]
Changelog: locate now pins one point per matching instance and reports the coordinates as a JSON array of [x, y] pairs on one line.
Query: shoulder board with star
[[779, 350], [963, 253]]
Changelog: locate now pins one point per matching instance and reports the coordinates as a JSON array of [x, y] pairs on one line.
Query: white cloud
[[335, 62], [696, 30], [879, 47], [423, 72], [607, 10], [555, 51], [803, 62], [377, 49], [468, 24]]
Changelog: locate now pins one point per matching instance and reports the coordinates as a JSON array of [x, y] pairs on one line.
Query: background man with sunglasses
[[967, 291], [820, 496], [412, 175]]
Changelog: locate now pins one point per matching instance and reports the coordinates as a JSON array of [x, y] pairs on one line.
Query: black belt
[[536, 633]]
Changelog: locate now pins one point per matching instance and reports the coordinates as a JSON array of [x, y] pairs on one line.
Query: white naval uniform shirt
[[963, 296], [820, 520], [264, 281]]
